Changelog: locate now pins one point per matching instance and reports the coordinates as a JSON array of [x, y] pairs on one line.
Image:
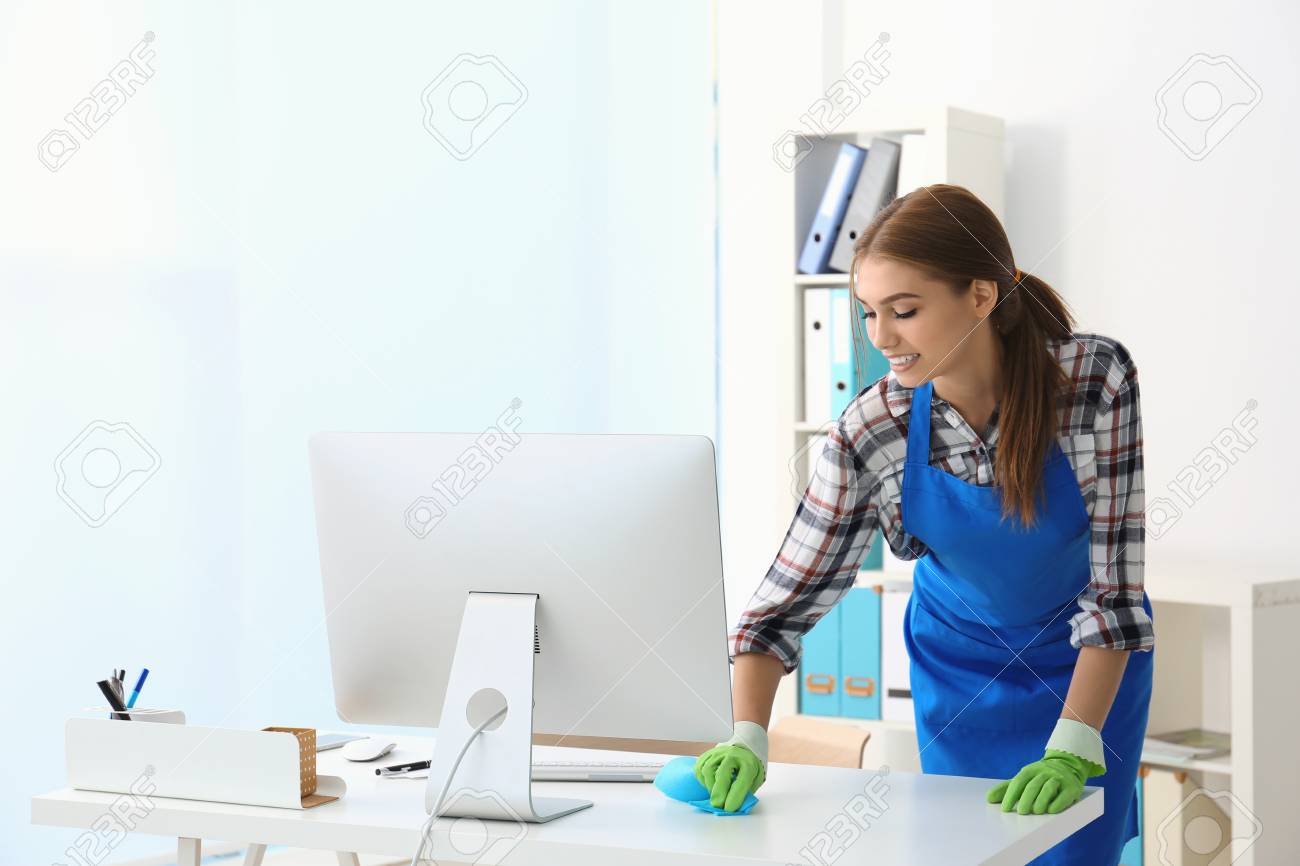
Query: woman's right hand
[[736, 768]]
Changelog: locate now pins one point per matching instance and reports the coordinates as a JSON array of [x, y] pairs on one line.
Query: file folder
[[842, 386], [877, 184], [816, 254], [877, 368], [829, 366], [895, 674], [816, 355], [830, 377], [860, 654], [819, 666]]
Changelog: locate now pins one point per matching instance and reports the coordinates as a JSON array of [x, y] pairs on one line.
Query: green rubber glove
[[1073, 755], [736, 768], [1048, 785]]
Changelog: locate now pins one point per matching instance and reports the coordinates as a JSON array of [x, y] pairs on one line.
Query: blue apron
[[979, 710]]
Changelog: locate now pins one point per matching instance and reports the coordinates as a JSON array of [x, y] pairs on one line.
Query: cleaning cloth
[[677, 780]]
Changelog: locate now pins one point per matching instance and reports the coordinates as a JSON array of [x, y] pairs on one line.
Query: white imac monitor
[[467, 573]]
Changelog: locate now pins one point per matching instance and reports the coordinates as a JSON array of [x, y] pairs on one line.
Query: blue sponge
[[677, 780]]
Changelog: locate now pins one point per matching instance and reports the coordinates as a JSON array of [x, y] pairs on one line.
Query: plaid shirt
[[857, 486]]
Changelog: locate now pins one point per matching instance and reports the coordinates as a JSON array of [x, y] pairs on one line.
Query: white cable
[[433, 815]]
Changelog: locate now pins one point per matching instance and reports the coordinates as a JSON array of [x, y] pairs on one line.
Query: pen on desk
[[113, 701], [139, 684], [115, 686], [398, 769]]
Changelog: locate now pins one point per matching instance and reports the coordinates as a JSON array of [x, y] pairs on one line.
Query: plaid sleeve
[[818, 560], [1111, 612]]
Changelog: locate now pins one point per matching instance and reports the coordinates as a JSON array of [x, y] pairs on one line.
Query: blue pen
[[135, 692]]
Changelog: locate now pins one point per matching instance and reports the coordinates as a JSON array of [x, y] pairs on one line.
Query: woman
[[1003, 453]]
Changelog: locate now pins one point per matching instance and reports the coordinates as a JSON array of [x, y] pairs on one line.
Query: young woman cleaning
[[1002, 453]]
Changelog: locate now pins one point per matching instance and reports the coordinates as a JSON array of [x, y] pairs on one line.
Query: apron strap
[[918, 426]]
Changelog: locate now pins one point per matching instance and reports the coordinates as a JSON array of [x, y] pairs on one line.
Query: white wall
[[769, 70], [265, 241]]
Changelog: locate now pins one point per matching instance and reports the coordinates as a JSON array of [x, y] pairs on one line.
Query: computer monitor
[[463, 572]]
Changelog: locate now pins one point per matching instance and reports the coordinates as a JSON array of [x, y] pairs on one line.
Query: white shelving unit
[[962, 147], [1226, 646]]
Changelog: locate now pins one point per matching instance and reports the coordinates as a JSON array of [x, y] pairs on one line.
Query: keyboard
[[596, 771]]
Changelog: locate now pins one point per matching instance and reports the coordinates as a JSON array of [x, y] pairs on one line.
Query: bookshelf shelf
[[801, 280], [1221, 766]]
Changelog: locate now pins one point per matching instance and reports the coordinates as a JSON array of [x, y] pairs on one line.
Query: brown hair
[[948, 233]]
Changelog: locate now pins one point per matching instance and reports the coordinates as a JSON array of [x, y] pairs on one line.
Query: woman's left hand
[[1048, 785]]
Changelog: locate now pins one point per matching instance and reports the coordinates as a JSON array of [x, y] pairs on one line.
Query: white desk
[[927, 820]]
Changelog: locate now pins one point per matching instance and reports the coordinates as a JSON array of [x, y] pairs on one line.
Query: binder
[[860, 654], [817, 247], [895, 677], [842, 385], [877, 184], [816, 354], [829, 372], [877, 368], [830, 377], [913, 167], [877, 365], [819, 666]]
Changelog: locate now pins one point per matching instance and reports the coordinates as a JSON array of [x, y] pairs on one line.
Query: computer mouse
[[368, 749]]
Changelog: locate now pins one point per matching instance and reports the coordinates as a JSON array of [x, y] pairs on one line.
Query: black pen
[[398, 769], [114, 701]]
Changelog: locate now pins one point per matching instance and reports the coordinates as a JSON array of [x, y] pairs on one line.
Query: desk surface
[[805, 815]]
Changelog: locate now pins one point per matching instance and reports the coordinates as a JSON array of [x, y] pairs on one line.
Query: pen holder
[[144, 714], [306, 757]]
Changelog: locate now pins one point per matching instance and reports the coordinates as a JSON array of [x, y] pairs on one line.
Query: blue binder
[[840, 329], [844, 385], [877, 366], [819, 667], [817, 247], [860, 654], [844, 382]]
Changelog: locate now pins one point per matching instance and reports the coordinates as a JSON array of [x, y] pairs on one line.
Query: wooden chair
[[810, 740]]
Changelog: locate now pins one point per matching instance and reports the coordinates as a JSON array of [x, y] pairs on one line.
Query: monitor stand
[[492, 668]]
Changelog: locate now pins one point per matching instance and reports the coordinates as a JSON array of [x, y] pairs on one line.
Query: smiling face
[[919, 323]]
